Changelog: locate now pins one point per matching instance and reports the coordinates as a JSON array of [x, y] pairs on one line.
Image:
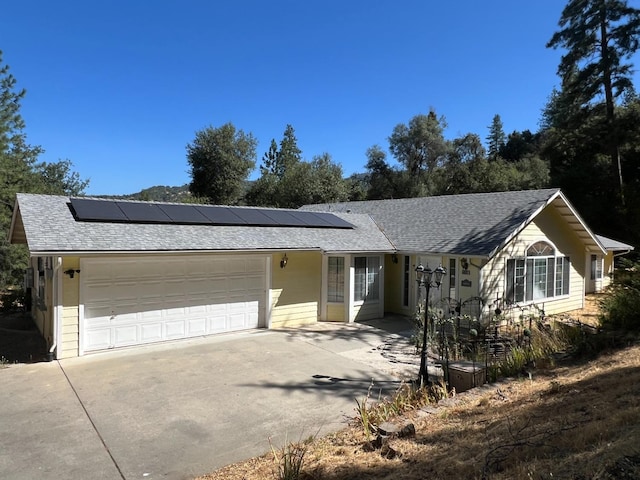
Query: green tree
[[289, 154], [420, 147], [496, 138], [269, 189], [382, 178], [220, 160], [318, 181], [598, 36], [21, 172], [59, 178], [270, 159], [519, 145]]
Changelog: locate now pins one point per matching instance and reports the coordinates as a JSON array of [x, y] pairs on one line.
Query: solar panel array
[[93, 210]]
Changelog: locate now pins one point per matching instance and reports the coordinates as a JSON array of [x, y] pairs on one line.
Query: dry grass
[[575, 421]]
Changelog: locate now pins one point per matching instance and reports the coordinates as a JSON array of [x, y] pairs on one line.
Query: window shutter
[[511, 272], [566, 269]]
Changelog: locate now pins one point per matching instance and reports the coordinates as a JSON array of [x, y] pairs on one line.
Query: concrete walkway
[[174, 411]]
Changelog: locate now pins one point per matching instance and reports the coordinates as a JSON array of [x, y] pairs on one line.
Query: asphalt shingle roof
[[49, 226], [469, 224], [614, 245]]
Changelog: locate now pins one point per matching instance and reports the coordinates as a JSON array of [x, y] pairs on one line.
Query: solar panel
[[94, 210], [97, 210], [220, 215], [284, 218], [330, 220], [184, 214], [138, 212], [254, 217]]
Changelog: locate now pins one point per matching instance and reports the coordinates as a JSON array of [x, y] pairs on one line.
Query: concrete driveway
[[174, 411]]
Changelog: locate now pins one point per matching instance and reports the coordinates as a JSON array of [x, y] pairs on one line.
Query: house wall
[[607, 270], [42, 307], [296, 289], [549, 226], [336, 312], [70, 328], [393, 286]]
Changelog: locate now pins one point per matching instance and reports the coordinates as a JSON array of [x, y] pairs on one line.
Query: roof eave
[[522, 226], [11, 234]]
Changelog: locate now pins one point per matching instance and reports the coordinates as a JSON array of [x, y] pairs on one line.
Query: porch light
[[71, 272], [284, 261], [427, 278]]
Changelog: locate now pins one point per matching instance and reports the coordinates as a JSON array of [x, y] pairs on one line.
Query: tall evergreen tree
[[270, 159], [598, 36], [289, 153], [496, 138]]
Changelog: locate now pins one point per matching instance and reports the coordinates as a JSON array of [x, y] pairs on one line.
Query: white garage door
[[138, 301]]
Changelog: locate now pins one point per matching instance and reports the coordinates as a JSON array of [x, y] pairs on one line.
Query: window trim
[[337, 296], [537, 271], [372, 266]]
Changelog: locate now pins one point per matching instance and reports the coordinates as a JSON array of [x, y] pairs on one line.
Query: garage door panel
[[136, 301], [151, 332], [197, 326], [175, 329], [99, 338], [218, 324], [125, 335]]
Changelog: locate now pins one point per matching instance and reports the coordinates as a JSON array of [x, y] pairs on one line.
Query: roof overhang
[[16, 232], [570, 215]]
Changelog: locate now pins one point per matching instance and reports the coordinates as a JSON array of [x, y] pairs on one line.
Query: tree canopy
[[287, 181], [598, 36], [21, 171], [220, 161]]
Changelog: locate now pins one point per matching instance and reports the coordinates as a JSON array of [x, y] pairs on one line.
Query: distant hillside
[[158, 193], [162, 193]]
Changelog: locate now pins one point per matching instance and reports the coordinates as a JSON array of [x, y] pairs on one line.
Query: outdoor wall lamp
[[427, 278], [71, 272], [283, 262]]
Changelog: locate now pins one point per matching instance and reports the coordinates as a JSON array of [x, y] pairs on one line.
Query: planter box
[[466, 375]]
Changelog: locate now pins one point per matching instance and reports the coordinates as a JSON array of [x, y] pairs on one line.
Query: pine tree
[[598, 36]]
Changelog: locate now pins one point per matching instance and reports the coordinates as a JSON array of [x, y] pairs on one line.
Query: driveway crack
[[95, 428]]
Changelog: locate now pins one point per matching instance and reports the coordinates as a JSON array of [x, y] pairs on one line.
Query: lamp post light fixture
[[427, 278]]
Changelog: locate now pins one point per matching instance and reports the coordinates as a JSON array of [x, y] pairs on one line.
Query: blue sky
[[121, 87]]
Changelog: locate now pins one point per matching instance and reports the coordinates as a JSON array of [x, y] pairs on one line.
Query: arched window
[[541, 274]]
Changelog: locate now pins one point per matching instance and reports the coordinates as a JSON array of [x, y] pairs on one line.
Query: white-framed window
[[335, 280], [366, 281], [596, 267], [540, 275]]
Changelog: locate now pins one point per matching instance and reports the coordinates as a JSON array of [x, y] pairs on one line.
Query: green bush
[[621, 307]]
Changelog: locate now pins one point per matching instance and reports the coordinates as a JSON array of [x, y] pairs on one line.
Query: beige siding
[[393, 284], [466, 291], [295, 294], [607, 270], [336, 312], [68, 344], [549, 226]]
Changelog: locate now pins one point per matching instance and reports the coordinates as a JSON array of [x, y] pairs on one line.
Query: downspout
[[57, 293]]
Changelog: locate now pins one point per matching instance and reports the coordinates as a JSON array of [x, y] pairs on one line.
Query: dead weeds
[[574, 421]]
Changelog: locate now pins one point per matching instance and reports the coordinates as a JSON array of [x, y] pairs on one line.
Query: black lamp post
[[427, 278]]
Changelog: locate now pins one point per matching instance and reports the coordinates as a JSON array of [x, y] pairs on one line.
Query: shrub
[[621, 307]]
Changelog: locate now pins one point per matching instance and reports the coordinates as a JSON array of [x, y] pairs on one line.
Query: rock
[[389, 452], [409, 430], [388, 428]]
